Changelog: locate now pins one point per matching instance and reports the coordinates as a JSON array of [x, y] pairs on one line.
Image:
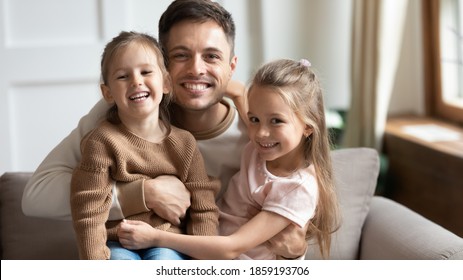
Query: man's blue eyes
[[213, 56], [179, 55], [206, 57]]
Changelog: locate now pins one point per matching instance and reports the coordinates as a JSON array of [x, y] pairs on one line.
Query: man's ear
[[233, 63], [106, 92]]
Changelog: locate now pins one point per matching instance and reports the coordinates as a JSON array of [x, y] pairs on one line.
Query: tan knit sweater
[[112, 153]]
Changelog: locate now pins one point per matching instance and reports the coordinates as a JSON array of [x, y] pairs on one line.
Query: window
[[443, 49]]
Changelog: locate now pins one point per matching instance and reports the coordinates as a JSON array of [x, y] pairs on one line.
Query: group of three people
[[132, 178]]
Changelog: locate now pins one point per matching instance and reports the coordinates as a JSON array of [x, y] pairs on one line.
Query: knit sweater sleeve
[[131, 198], [91, 199], [203, 212]]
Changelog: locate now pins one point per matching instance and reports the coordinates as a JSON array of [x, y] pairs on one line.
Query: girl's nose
[[137, 80], [262, 131]]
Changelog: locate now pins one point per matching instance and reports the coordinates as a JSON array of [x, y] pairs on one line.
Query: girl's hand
[[136, 235]]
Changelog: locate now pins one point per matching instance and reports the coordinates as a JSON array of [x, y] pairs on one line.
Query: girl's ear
[[167, 88], [308, 130], [106, 92]]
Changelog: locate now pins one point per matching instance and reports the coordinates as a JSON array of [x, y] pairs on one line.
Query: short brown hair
[[197, 11]]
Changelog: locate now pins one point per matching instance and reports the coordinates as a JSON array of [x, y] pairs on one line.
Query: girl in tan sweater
[[136, 142]]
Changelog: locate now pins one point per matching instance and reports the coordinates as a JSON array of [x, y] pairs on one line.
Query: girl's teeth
[[267, 145], [139, 95]]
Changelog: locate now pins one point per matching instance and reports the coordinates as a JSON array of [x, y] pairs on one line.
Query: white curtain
[[376, 44]]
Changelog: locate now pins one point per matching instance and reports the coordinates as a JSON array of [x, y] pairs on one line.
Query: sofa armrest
[[392, 231]]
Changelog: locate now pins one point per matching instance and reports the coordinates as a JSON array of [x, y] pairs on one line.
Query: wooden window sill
[[426, 175], [397, 126]]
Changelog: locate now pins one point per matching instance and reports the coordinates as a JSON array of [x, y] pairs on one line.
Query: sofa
[[373, 227]]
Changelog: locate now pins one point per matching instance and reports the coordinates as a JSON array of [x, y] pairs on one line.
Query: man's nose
[[197, 66]]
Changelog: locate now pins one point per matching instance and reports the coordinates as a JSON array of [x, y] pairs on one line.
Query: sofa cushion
[[27, 238], [355, 176]]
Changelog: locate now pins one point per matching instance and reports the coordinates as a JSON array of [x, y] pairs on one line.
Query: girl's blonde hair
[[119, 43], [300, 88]]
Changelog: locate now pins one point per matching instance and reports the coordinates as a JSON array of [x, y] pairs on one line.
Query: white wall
[[55, 52]]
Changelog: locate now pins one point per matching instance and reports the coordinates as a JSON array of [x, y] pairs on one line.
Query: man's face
[[199, 64]]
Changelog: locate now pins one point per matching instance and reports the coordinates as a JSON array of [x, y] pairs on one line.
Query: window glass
[[451, 51]]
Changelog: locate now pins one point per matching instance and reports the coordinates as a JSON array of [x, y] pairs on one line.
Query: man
[[197, 37]]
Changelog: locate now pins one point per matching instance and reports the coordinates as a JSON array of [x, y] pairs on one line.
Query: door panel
[[49, 71]]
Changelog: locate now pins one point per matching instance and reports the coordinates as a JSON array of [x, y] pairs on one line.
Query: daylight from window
[[451, 44]]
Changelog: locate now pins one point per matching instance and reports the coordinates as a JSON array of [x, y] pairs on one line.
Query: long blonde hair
[[298, 85]]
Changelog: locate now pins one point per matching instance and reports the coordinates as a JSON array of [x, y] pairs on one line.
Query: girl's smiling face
[[135, 82], [275, 130]]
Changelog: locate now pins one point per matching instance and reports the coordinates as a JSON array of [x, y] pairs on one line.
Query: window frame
[[434, 101]]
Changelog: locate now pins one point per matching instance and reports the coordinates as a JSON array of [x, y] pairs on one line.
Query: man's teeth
[[196, 86], [139, 96]]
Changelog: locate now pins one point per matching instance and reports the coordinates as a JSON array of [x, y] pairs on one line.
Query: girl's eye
[[276, 121], [147, 72], [253, 119], [121, 77]]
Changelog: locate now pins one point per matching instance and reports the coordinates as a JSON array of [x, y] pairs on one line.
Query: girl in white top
[[285, 176]]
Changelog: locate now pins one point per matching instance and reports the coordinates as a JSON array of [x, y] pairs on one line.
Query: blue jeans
[[120, 253]]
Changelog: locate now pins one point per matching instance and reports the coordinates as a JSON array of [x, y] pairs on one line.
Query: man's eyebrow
[[212, 49], [208, 49], [183, 48]]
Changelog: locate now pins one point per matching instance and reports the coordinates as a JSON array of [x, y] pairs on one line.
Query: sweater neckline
[[219, 129], [140, 141]]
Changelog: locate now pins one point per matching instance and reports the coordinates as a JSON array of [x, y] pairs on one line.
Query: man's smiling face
[[199, 63]]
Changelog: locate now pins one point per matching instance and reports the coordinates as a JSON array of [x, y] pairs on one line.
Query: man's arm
[[47, 192], [164, 195], [290, 243]]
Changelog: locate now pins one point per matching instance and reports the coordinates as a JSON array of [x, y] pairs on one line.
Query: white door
[[49, 68]]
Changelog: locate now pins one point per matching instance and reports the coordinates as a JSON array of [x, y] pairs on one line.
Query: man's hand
[[289, 243], [167, 197], [236, 91]]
